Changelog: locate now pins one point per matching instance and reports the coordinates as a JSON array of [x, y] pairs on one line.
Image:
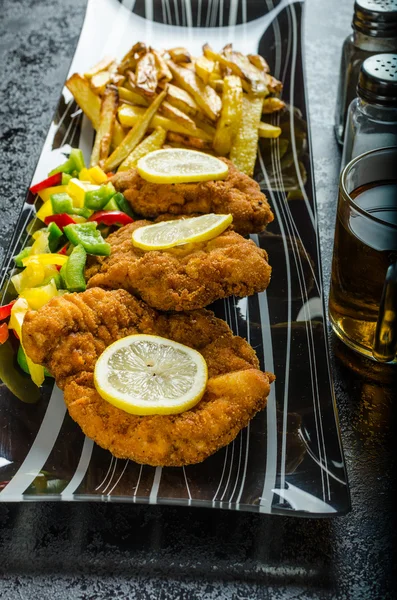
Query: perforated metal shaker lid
[[377, 82], [376, 18]]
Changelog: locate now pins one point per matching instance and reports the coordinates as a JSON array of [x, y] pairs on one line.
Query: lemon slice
[[168, 234], [148, 374], [178, 165]]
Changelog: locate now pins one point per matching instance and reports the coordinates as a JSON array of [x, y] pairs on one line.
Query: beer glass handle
[[385, 343]]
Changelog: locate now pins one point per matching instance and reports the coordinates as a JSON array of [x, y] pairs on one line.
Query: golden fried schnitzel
[[238, 195], [70, 332], [185, 277]]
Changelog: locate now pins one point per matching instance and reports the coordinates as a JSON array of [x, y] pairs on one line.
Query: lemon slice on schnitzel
[[148, 375], [179, 165], [168, 234]]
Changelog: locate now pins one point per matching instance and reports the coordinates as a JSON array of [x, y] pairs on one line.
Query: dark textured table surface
[[87, 551]]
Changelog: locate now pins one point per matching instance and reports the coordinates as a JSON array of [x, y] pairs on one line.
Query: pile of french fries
[[154, 99]]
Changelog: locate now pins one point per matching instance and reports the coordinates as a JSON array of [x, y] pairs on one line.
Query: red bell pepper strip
[[3, 333], [5, 310], [49, 182], [113, 217], [64, 249], [61, 220]]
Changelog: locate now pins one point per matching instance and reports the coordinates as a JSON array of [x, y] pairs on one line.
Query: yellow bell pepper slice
[[45, 211], [84, 175], [77, 189], [37, 297], [46, 194], [18, 313], [45, 259], [97, 175], [40, 245], [33, 275]]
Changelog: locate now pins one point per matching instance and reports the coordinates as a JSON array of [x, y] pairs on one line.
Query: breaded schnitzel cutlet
[[238, 195], [70, 332], [185, 277]]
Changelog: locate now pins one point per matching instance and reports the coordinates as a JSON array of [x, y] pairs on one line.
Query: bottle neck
[[376, 112], [372, 43]]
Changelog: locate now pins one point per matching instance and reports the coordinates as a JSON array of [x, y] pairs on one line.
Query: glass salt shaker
[[374, 31], [372, 116]]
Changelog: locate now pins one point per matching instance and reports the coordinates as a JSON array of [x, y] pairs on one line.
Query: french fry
[[266, 130], [275, 86], [153, 142], [103, 65], [203, 124], [134, 136], [240, 66], [259, 62], [103, 137], [146, 74], [229, 121], [182, 100], [164, 75], [90, 104], [178, 116], [217, 85], [179, 55], [271, 105], [244, 148], [204, 67], [88, 101], [99, 81], [130, 115], [117, 79], [130, 59], [118, 135], [187, 141], [204, 95], [133, 97]]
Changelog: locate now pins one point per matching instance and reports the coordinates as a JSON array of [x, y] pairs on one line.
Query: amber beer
[[365, 246]]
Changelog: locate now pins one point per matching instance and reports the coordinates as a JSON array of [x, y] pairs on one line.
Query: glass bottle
[[374, 31], [372, 116]]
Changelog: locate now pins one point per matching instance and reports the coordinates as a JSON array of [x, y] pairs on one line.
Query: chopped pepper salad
[[80, 207]]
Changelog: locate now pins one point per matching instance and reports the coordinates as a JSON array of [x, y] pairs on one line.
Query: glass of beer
[[363, 294]]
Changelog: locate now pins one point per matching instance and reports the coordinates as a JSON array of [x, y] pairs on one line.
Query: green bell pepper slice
[[89, 237], [72, 272], [74, 163], [66, 178], [54, 237], [97, 199], [111, 205], [123, 205], [62, 203]]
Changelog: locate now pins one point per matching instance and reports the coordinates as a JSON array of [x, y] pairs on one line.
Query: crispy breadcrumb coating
[[185, 277], [70, 332], [238, 195]]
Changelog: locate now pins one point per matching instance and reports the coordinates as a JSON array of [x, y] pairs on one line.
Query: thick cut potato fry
[[266, 130], [104, 133], [153, 142], [132, 97], [259, 62], [271, 105], [182, 100], [134, 136], [164, 75], [88, 101], [130, 115], [146, 74], [177, 115], [117, 79], [203, 124], [90, 104], [204, 68], [240, 66], [244, 148], [103, 65], [275, 86], [180, 55], [229, 122], [217, 85], [130, 59], [204, 95], [99, 81], [187, 141]]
